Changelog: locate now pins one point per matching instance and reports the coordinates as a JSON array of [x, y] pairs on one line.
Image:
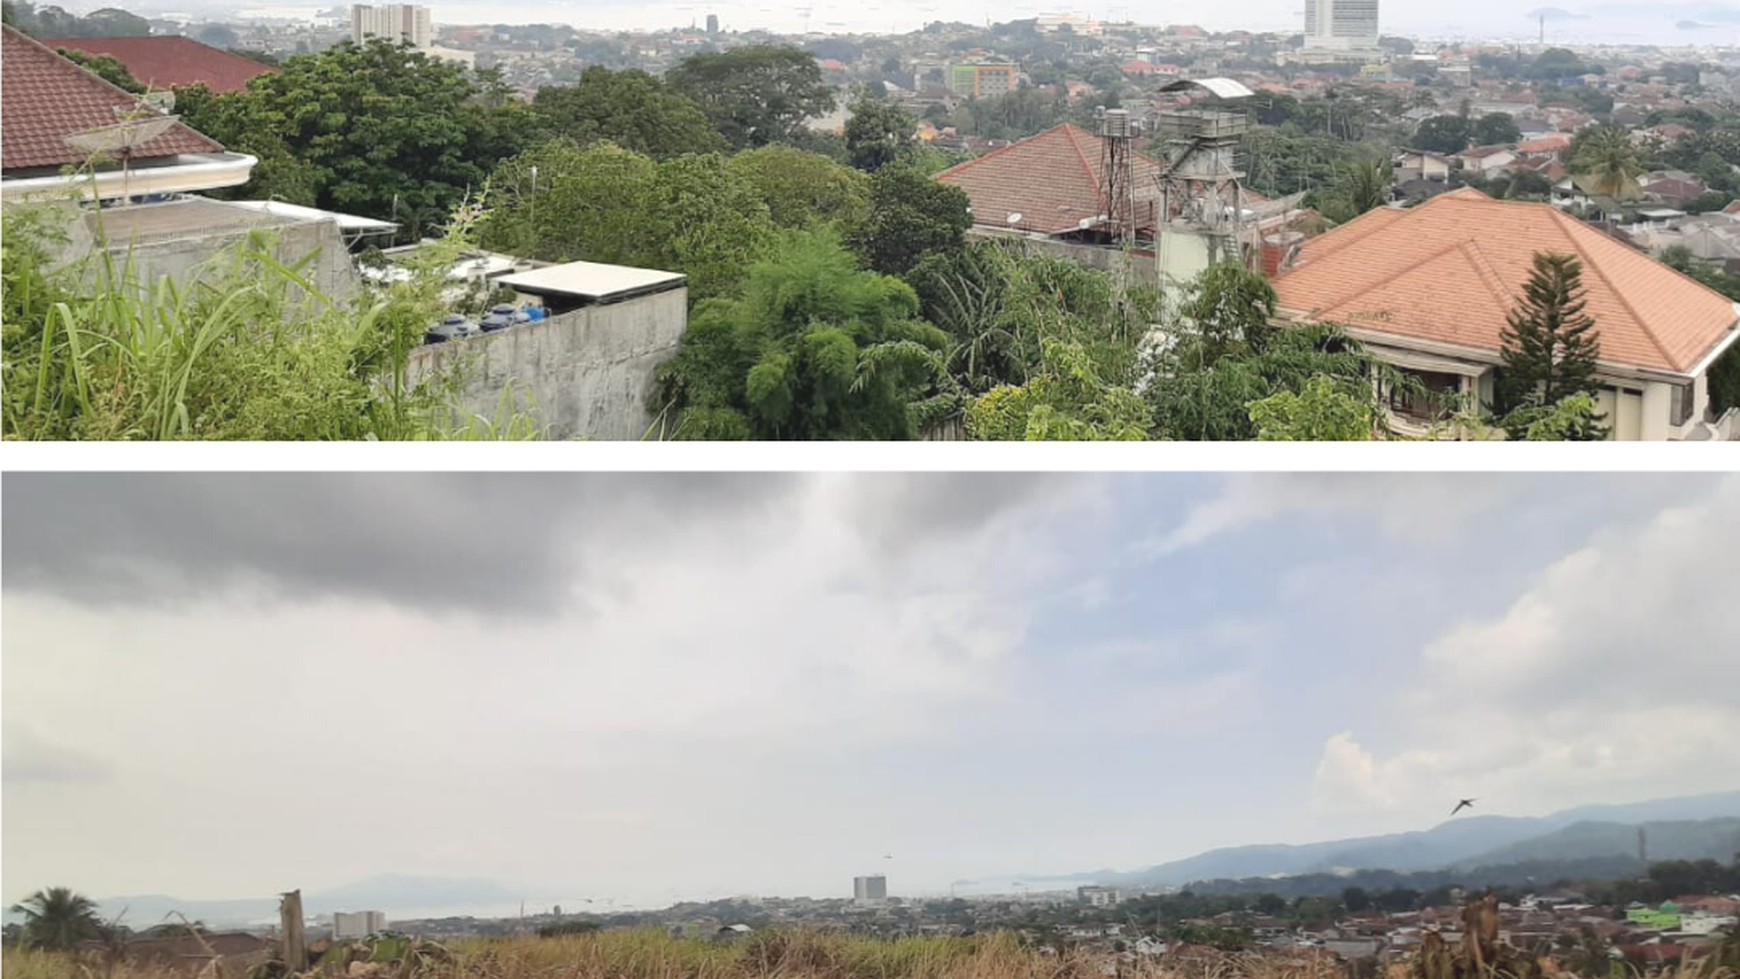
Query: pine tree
[[1550, 343]]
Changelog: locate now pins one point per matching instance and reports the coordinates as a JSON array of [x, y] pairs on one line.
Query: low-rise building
[[1429, 290]]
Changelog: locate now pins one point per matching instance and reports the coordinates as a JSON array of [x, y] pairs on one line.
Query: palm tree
[[1607, 165], [1367, 184], [58, 918]]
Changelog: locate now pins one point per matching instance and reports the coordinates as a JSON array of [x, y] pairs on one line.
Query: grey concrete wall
[[587, 373], [1140, 262], [180, 256]]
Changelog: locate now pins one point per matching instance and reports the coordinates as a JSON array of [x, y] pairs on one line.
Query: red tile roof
[[1052, 180], [171, 62], [44, 98], [1449, 271]]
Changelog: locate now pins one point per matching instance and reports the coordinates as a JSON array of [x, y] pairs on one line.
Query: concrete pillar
[[1657, 408]]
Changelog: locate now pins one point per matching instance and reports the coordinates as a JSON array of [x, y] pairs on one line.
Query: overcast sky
[[650, 686]]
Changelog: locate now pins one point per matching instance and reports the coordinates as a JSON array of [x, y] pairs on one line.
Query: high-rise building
[[394, 22], [868, 889], [712, 25], [357, 924], [1341, 25]]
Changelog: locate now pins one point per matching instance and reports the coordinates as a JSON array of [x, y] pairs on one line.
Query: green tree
[[630, 108], [1443, 134], [1496, 128], [1575, 418], [879, 133], [801, 188], [1231, 309], [1363, 185], [814, 348], [757, 94], [910, 216], [1355, 899], [1550, 344], [218, 36], [115, 22], [1321, 411], [1066, 400], [57, 918], [1606, 163], [379, 130], [601, 203], [105, 67]]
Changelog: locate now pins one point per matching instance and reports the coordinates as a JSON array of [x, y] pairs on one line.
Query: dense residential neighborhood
[[1413, 215]]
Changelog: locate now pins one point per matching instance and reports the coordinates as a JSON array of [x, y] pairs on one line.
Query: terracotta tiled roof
[[45, 98], [1545, 144], [170, 62], [1053, 180], [1449, 271]]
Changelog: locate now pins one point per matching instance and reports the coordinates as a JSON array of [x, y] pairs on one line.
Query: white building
[[1097, 897], [1341, 25], [869, 890], [394, 22], [357, 924]]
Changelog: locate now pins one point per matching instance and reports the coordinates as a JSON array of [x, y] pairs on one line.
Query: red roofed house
[[162, 63], [1141, 68], [1051, 184], [46, 99], [1428, 289], [150, 209], [1547, 145]]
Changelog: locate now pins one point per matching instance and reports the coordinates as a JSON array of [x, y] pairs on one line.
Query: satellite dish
[[1015, 218], [121, 139]]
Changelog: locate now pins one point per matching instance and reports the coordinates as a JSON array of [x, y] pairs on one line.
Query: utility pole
[[294, 946]]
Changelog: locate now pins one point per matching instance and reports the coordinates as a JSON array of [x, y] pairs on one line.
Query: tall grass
[[806, 954], [246, 348]]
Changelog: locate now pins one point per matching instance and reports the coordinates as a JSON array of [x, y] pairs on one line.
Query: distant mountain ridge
[[1688, 827]]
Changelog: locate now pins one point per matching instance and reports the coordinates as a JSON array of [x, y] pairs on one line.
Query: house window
[[1435, 402]]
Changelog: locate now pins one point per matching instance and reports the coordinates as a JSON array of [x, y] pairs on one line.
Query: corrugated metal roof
[[591, 280], [1225, 88]]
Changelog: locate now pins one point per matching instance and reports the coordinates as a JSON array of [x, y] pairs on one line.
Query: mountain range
[[1691, 827]]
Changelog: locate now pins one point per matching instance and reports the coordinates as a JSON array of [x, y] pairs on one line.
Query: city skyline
[[765, 684]]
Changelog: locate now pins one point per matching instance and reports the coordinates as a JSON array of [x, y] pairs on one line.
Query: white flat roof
[[591, 280], [346, 222], [1225, 88]]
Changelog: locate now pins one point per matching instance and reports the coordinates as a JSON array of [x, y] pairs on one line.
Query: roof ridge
[[1098, 179], [93, 76], [1643, 325], [1489, 275]]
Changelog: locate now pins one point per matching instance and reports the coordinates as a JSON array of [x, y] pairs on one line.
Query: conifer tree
[[1550, 342]]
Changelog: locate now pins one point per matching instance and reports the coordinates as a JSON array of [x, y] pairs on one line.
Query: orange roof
[[1549, 143], [1449, 271], [1052, 180]]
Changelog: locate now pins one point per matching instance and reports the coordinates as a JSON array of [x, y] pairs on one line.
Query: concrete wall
[[1140, 262], [586, 373], [180, 255]]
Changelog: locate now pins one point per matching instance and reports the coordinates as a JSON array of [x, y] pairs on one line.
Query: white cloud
[[670, 719], [1611, 678]]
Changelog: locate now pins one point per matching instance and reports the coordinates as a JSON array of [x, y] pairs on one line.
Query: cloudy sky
[[652, 686]]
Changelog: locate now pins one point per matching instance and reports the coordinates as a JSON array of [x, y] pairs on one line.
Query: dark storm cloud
[[476, 541], [493, 543]]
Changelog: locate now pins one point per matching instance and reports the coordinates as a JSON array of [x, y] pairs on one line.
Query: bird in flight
[[1464, 804]]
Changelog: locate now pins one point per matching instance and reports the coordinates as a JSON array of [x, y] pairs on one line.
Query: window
[[1680, 405], [1437, 401]]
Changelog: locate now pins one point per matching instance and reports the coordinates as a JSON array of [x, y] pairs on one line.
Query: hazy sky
[[641, 686]]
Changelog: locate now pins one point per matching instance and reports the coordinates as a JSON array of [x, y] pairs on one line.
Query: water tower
[[1117, 131], [1203, 210]]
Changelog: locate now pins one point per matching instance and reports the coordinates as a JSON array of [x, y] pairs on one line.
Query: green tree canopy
[[878, 133], [1066, 400], [1605, 162], [105, 67], [757, 94], [1443, 134], [1322, 410], [801, 188], [379, 130], [815, 348], [1496, 128], [601, 203], [630, 108], [910, 215]]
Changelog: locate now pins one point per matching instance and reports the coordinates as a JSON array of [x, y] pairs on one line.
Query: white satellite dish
[[1015, 218], [121, 139]]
